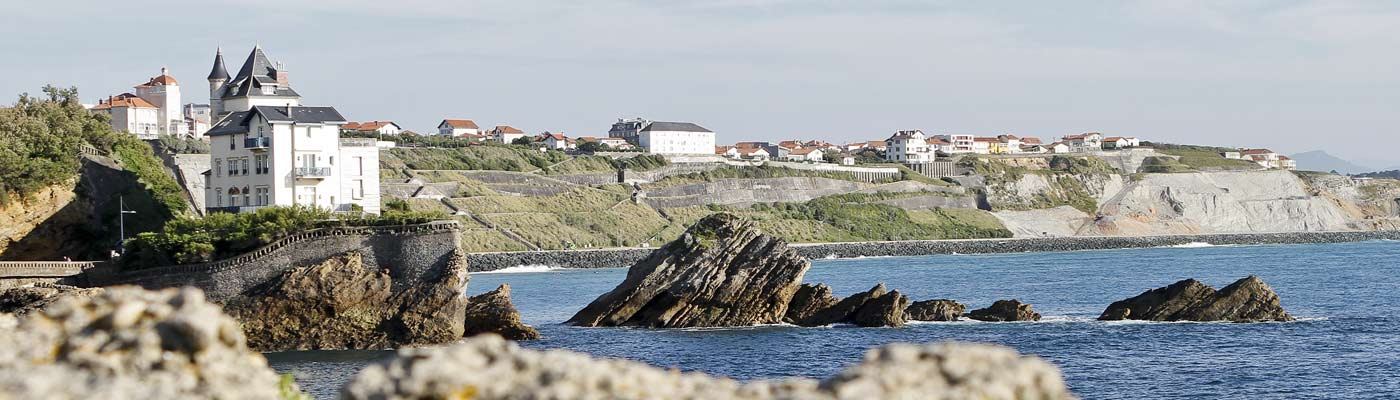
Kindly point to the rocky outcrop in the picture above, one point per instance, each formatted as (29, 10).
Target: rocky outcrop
(493, 312)
(502, 370)
(721, 272)
(935, 310)
(21, 301)
(871, 308)
(343, 304)
(1246, 300)
(127, 343)
(809, 300)
(1005, 311)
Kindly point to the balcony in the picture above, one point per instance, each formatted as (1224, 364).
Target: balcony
(314, 172)
(233, 209)
(257, 143)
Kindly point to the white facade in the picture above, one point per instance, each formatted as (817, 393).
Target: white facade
(198, 119)
(1084, 143)
(164, 92)
(662, 137)
(909, 147)
(557, 141)
(458, 127)
(801, 155)
(134, 116)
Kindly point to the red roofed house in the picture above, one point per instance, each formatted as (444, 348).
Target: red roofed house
(801, 155)
(558, 141)
(506, 134)
(376, 127)
(1120, 142)
(1084, 142)
(458, 127)
(132, 114)
(753, 153)
(1265, 158)
(727, 151)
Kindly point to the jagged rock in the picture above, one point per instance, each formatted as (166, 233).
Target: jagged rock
(808, 301)
(1246, 300)
(343, 304)
(843, 310)
(493, 312)
(502, 370)
(23, 300)
(128, 343)
(721, 272)
(935, 310)
(887, 310)
(1005, 311)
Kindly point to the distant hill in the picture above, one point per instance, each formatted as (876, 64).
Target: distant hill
(1392, 174)
(1319, 160)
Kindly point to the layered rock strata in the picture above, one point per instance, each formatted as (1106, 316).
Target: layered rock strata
(935, 310)
(502, 370)
(1246, 300)
(872, 308)
(809, 300)
(128, 343)
(1005, 311)
(720, 272)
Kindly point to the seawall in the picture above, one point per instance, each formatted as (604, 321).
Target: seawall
(410, 254)
(613, 258)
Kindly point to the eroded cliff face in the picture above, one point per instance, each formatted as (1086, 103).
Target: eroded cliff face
(1207, 202)
(77, 219)
(21, 217)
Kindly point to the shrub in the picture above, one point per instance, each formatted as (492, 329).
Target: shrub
(182, 145)
(137, 157)
(40, 138)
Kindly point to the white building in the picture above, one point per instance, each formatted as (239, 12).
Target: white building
(958, 143)
(1116, 143)
(1084, 142)
(458, 127)
(800, 155)
(374, 127)
(285, 154)
(910, 147)
(132, 114)
(506, 134)
(558, 141)
(198, 119)
(660, 137)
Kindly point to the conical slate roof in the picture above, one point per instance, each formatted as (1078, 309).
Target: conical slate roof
(219, 72)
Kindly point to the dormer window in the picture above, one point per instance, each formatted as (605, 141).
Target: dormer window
(268, 89)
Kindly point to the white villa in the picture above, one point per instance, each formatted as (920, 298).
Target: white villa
(800, 155)
(198, 119)
(1084, 142)
(458, 127)
(1264, 157)
(269, 150)
(506, 134)
(910, 147)
(1121, 142)
(154, 110)
(661, 137)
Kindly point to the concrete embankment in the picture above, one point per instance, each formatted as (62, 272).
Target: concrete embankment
(613, 258)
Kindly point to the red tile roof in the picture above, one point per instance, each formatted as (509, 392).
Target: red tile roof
(507, 129)
(1256, 151)
(459, 123)
(802, 152)
(124, 100)
(163, 80)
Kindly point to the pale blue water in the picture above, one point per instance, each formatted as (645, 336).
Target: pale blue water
(1346, 346)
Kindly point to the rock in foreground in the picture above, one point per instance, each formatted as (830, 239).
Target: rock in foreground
(502, 370)
(1005, 311)
(721, 272)
(342, 303)
(128, 343)
(1246, 300)
(493, 312)
(23, 300)
(935, 310)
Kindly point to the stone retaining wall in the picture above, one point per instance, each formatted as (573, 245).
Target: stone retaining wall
(626, 257)
(409, 253)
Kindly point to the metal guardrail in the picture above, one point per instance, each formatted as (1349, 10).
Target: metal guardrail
(313, 172)
(16, 269)
(257, 142)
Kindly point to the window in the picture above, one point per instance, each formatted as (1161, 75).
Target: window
(218, 167)
(308, 132)
(260, 164)
(262, 195)
(230, 142)
(246, 195)
(260, 131)
(359, 164)
(232, 167)
(357, 189)
(218, 197)
(244, 161)
(233, 197)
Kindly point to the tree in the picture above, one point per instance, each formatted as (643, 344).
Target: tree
(523, 141)
(593, 146)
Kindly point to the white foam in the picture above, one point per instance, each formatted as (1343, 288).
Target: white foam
(1192, 245)
(523, 269)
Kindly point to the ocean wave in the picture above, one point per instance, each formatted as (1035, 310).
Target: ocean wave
(1192, 245)
(522, 269)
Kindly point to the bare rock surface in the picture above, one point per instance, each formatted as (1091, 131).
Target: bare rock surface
(128, 343)
(23, 300)
(941, 310)
(343, 304)
(1246, 300)
(809, 300)
(502, 370)
(1005, 311)
(493, 312)
(844, 310)
(721, 272)
(887, 310)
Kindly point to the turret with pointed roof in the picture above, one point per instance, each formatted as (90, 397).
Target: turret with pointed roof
(259, 82)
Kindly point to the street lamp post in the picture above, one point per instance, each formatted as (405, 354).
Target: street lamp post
(122, 223)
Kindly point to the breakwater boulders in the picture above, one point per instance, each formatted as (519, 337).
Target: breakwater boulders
(1246, 300)
(1005, 311)
(503, 370)
(721, 272)
(941, 310)
(128, 343)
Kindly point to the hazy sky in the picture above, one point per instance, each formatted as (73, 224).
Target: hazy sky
(1289, 75)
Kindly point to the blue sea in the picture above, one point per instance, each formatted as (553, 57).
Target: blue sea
(1346, 344)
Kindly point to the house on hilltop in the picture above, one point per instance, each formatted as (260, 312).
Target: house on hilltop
(155, 109)
(1084, 142)
(910, 147)
(458, 127)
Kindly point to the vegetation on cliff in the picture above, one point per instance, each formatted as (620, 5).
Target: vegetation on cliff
(1201, 157)
(40, 140)
(756, 172)
(1064, 177)
(481, 157)
(188, 240)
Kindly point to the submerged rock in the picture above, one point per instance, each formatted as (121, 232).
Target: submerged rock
(935, 310)
(128, 343)
(23, 300)
(808, 301)
(343, 304)
(721, 272)
(502, 370)
(1246, 300)
(1005, 311)
(493, 312)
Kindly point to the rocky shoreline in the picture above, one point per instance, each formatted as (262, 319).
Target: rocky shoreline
(617, 258)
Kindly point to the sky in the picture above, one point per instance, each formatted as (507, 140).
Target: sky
(1293, 76)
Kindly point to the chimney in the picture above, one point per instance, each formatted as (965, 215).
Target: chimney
(164, 71)
(280, 74)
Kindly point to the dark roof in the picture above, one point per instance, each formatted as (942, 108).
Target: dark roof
(256, 72)
(219, 72)
(237, 122)
(674, 127)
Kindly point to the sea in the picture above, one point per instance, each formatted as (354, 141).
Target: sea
(1345, 344)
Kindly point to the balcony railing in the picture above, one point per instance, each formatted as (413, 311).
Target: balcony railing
(233, 209)
(313, 172)
(257, 142)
